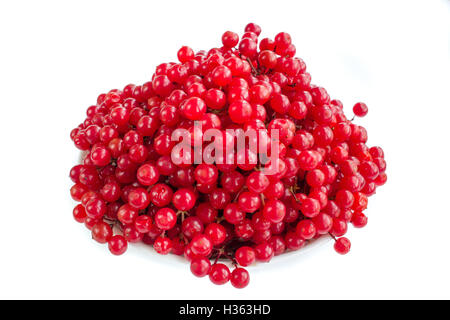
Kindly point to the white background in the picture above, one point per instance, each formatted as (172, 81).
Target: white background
(57, 56)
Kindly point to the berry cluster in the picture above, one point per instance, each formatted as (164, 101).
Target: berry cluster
(130, 188)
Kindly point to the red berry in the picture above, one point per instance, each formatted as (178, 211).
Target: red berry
(127, 214)
(201, 245)
(101, 232)
(240, 111)
(95, 208)
(138, 198)
(147, 175)
(184, 199)
(219, 274)
(342, 245)
(360, 109)
(117, 245)
(233, 214)
(143, 224)
(306, 229)
(245, 256)
(264, 252)
(165, 218)
(162, 245)
(185, 54)
(216, 232)
(239, 278)
(304, 170)
(200, 267)
(193, 108)
(274, 211)
(359, 220)
(79, 213)
(230, 39)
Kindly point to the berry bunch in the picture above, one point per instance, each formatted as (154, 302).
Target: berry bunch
(133, 186)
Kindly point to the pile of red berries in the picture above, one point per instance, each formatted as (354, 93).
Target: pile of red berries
(130, 188)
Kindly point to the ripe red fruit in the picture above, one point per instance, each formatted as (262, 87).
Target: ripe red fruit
(360, 109)
(165, 219)
(185, 54)
(306, 229)
(163, 245)
(245, 256)
(230, 39)
(305, 171)
(127, 214)
(342, 245)
(240, 278)
(268, 59)
(147, 175)
(117, 245)
(219, 274)
(274, 211)
(193, 108)
(240, 111)
(138, 198)
(184, 199)
(200, 267)
(101, 232)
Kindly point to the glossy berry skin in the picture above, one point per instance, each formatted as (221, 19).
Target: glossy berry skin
(206, 173)
(201, 245)
(264, 252)
(267, 59)
(95, 208)
(162, 245)
(184, 199)
(143, 224)
(165, 219)
(248, 47)
(127, 214)
(216, 233)
(117, 245)
(185, 54)
(240, 111)
(206, 213)
(257, 182)
(342, 245)
(253, 27)
(138, 198)
(193, 108)
(101, 232)
(79, 213)
(230, 39)
(200, 267)
(323, 223)
(294, 242)
(240, 278)
(192, 226)
(245, 256)
(160, 195)
(360, 109)
(219, 274)
(147, 175)
(100, 156)
(274, 211)
(233, 214)
(221, 76)
(359, 220)
(310, 207)
(249, 202)
(306, 229)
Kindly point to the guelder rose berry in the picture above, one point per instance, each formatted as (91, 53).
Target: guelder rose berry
(228, 157)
